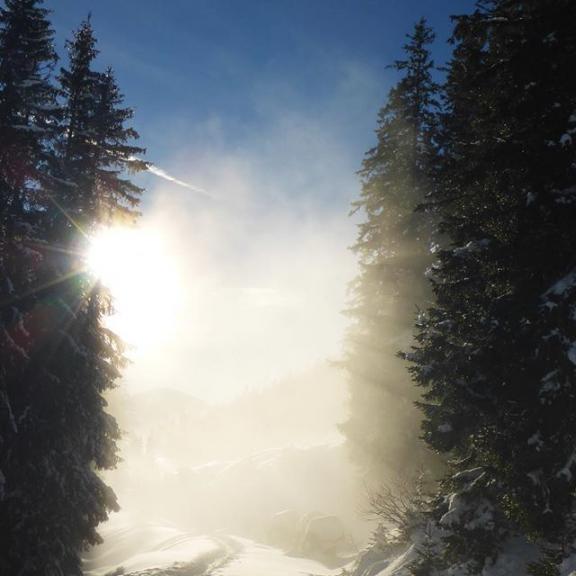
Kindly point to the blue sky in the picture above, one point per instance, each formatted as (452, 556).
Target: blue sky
(270, 107)
(182, 61)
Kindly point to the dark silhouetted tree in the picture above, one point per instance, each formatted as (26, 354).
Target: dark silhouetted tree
(60, 357)
(495, 355)
(27, 122)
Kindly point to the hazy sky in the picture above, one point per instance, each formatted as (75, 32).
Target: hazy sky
(269, 106)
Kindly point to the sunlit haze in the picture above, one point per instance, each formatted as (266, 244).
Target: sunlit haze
(137, 267)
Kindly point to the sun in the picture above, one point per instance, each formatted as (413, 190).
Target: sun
(141, 273)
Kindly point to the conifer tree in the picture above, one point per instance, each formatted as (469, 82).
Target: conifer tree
(495, 353)
(95, 148)
(28, 114)
(393, 251)
(28, 120)
(60, 433)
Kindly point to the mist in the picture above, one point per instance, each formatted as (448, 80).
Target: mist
(235, 466)
(230, 412)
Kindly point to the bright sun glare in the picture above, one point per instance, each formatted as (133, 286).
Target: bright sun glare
(137, 267)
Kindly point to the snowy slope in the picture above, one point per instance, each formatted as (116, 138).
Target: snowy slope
(158, 550)
(135, 548)
(258, 560)
(512, 561)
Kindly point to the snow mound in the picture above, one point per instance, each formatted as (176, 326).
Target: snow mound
(259, 560)
(513, 560)
(130, 548)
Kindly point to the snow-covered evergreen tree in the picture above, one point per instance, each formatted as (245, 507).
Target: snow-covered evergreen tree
(495, 354)
(57, 355)
(393, 251)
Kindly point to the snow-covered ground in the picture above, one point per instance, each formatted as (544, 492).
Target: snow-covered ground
(261, 485)
(158, 550)
(131, 548)
(235, 468)
(258, 560)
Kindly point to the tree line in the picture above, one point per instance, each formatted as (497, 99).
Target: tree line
(461, 353)
(65, 150)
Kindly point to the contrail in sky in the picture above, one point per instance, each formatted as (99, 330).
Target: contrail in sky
(164, 175)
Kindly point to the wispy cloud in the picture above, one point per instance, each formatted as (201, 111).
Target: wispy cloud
(165, 176)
